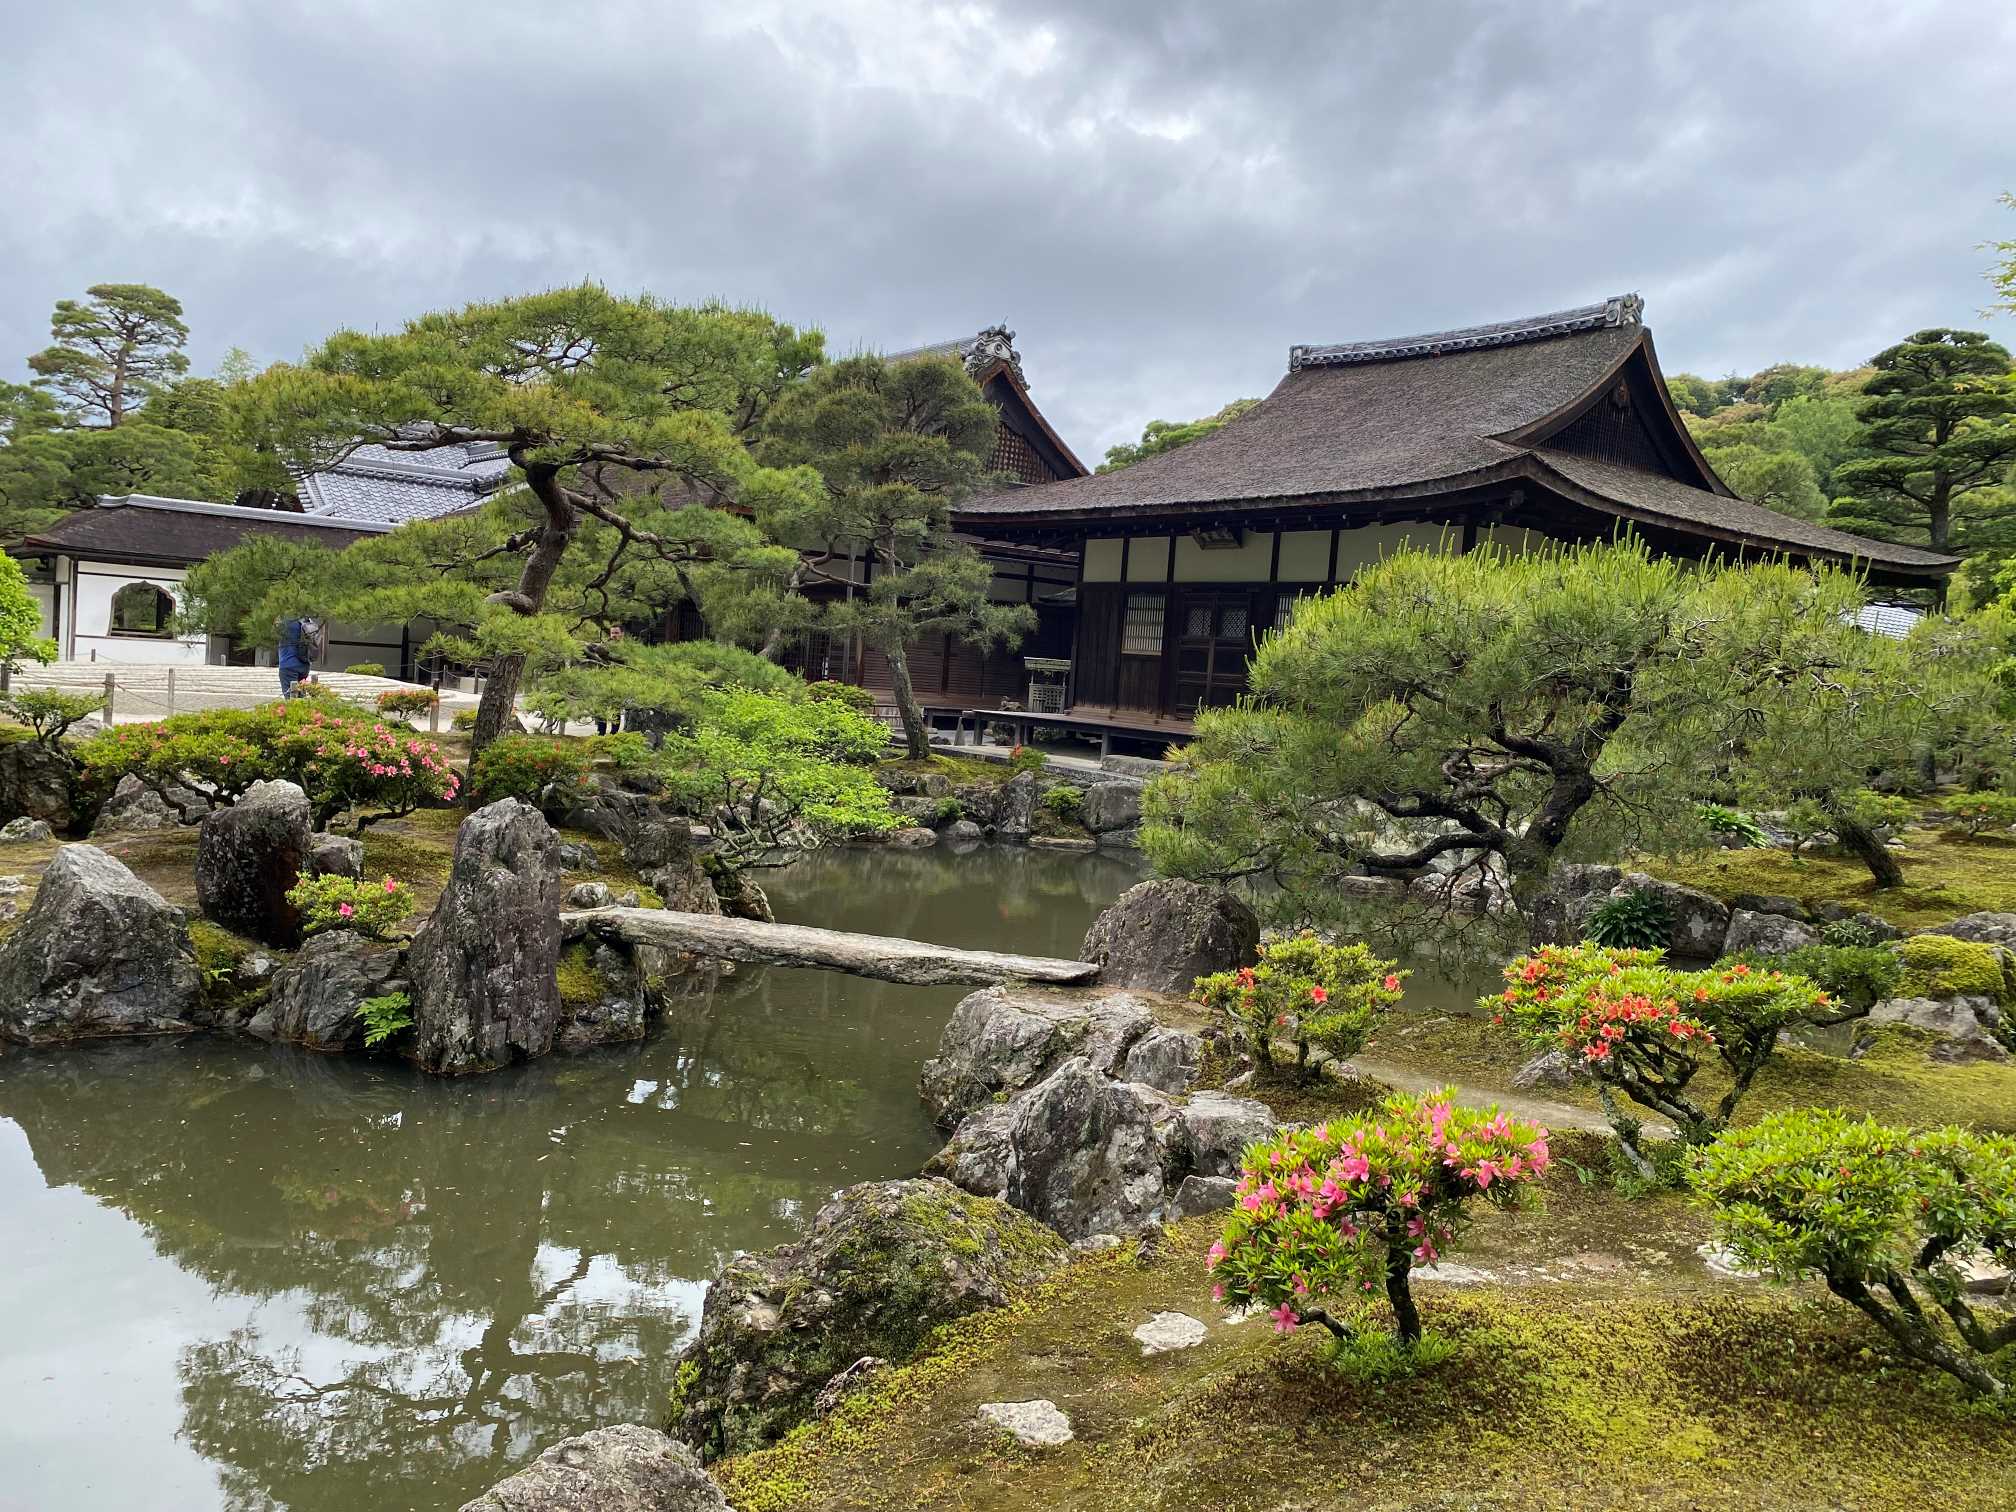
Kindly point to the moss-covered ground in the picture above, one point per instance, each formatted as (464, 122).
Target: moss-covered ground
(1610, 1370)
(1946, 874)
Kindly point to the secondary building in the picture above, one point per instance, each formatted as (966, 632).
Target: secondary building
(1557, 427)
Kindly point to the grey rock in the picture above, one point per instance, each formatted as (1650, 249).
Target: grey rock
(1164, 934)
(254, 969)
(36, 781)
(336, 856)
(1112, 805)
(1120, 839)
(849, 1381)
(1982, 928)
(1034, 1425)
(1960, 1026)
(980, 1153)
(1549, 1070)
(916, 810)
(1220, 1127)
(1700, 920)
(25, 831)
(1004, 1039)
(1199, 1195)
(1559, 913)
(249, 856)
(1378, 889)
(629, 898)
(1837, 913)
(912, 837)
(1460, 892)
(1092, 1155)
(98, 953)
(1082, 844)
(980, 802)
(136, 808)
(627, 1468)
(632, 986)
(1768, 934)
(315, 995)
(962, 833)
(1768, 903)
(482, 966)
(576, 857)
(882, 1265)
(590, 895)
(1165, 1059)
(1015, 806)
(1168, 1332)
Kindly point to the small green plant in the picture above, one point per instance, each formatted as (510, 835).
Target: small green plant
(50, 712)
(1718, 820)
(1640, 920)
(1851, 934)
(1324, 998)
(1884, 1216)
(366, 669)
(949, 811)
(1025, 759)
(373, 909)
(1065, 802)
(385, 1016)
(406, 703)
(463, 720)
(1978, 813)
(860, 700)
(524, 766)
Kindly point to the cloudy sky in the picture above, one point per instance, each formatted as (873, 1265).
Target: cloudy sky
(1158, 195)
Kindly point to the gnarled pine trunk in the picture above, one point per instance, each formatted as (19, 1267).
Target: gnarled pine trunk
(1860, 841)
(916, 733)
(498, 706)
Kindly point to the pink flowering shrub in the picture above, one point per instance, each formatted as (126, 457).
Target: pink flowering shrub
(1642, 1028)
(1327, 1219)
(403, 704)
(1324, 999)
(374, 910)
(343, 759)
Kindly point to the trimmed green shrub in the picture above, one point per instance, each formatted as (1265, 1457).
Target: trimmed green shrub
(374, 910)
(1859, 975)
(366, 669)
(860, 700)
(1025, 759)
(50, 712)
(1324, 998)
(1883, 1216)
(524, 766)
(1977, 813)
(407, 703)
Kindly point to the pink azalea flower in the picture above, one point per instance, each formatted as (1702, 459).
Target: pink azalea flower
(1285, 1319)
(345, 910)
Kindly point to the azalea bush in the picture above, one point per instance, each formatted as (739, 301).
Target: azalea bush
(374, 910)
(1884, 1216)
(50, 712)
(1327, 1220)
(1325, 999)
(1645, 1030)
(524, 766)
(342, 759)
(1978, 813)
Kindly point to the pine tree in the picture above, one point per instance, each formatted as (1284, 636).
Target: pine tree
(1938, 435)
(111, 349)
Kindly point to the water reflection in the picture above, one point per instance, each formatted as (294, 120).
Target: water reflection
(411, 1285)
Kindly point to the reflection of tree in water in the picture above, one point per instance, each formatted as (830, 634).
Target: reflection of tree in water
(486, 1266)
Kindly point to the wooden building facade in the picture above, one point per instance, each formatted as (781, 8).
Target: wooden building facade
(1555, 428)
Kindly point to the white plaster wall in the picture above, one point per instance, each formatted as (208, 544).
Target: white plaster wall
(91, 613)
(1148, 560)
(1102, 560)
(1245, 563)
(1305, 556)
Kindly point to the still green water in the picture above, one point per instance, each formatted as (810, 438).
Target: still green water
(248, 1277)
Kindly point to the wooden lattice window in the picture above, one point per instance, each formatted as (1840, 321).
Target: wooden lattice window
(1141, 632)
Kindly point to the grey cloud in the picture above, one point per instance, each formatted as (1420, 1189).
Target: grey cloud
(1159, 197)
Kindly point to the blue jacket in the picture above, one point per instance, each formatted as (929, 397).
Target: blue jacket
(293, 651)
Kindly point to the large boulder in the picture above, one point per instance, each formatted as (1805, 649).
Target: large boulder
(136, 808)
(1770, 934)
(482, 965)
(315, 996)
(1962, 1028)
(1090, 1155)
(1700, 920)
(1015, 807)
(627, 1468)
(36, 780)
(657, 842)
(99, 953)
(250, 855)
(1559, 913)
(1982, 928)
(1003, 1039)
(1112, 805)
(336, 856)
(1163, 935)
(883, 1264)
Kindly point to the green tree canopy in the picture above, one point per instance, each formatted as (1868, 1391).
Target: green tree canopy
(625, 420)
(111, 349)
(898, 444)
(1938, 435)
(1166, 435)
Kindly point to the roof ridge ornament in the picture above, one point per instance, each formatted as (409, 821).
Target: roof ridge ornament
(995, 343)
(1618, 310)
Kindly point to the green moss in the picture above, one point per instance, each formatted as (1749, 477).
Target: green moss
(581, 981)
(1941, 966)
(961, 769)
(1944, 878)
(219, 953)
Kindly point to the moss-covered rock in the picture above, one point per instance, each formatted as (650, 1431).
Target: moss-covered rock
(1938, 966)
(883, 1266)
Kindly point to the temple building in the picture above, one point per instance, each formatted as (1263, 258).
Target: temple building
(1557, 427)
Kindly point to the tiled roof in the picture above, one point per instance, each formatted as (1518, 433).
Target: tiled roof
(391, 487)
(1366, 422)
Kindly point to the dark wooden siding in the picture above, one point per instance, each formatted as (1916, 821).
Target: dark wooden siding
(1095, 663)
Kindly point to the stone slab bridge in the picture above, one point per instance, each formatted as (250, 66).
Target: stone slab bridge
(911, 962)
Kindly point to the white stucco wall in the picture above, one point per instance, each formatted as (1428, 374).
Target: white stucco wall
(90, 617)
